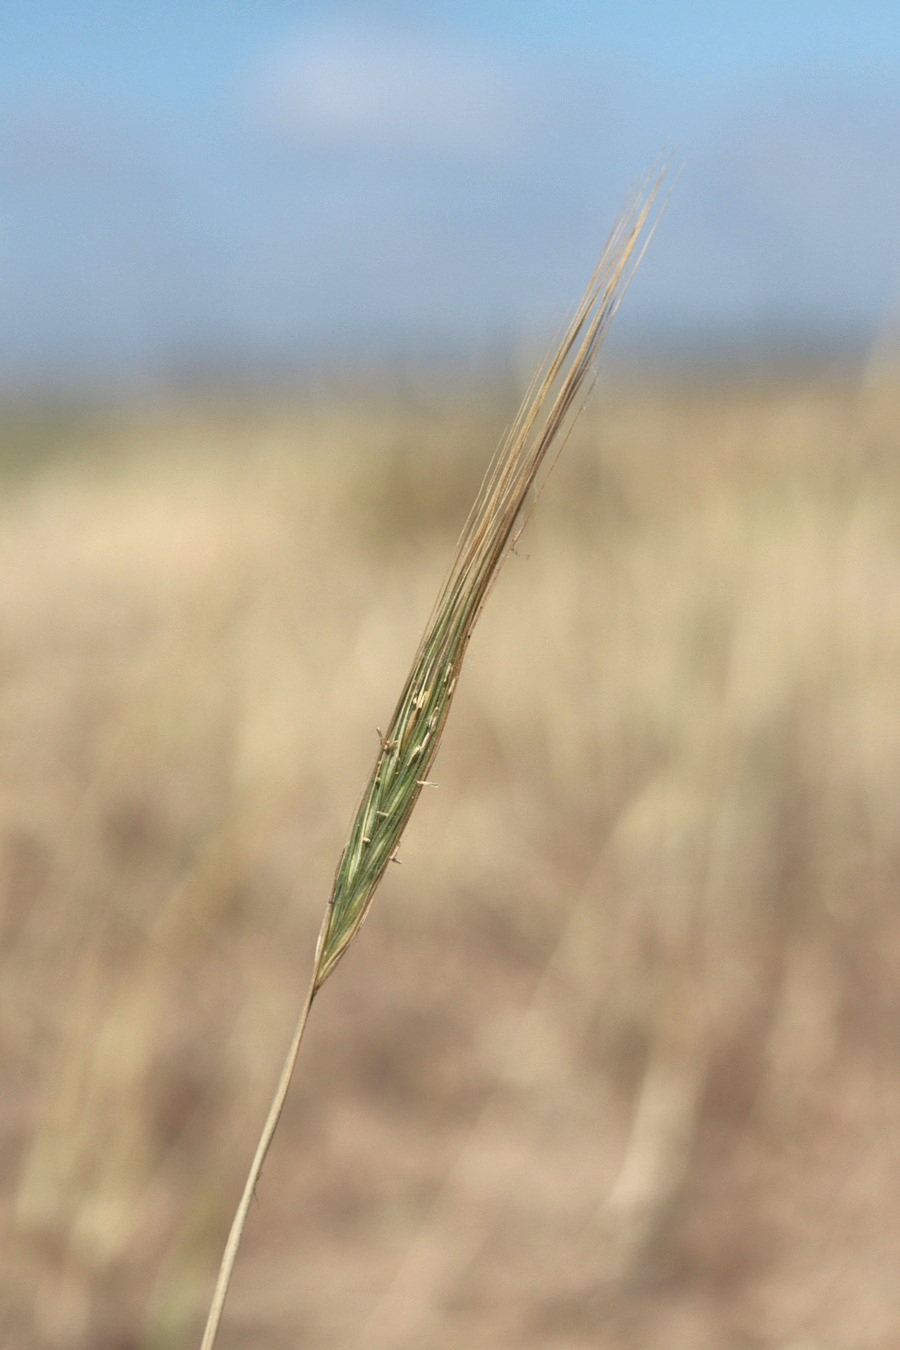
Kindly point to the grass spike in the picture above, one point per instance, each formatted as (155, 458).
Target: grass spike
(408, 746)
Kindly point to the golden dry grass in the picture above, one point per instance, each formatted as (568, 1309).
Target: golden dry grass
(407, 749)
(615, 1063)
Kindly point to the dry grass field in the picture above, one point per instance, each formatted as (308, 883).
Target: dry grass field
(615, 1063)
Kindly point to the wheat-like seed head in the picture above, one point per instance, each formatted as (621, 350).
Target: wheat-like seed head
(408, 748)
(413, 735)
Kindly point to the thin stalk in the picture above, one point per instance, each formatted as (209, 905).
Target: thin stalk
(229, 1256)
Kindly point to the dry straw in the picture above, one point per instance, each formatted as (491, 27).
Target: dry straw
(408, 747)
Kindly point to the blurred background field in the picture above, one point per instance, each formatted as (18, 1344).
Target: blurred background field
(614, 1062)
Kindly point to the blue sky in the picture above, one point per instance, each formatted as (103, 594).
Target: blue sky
(249, 185)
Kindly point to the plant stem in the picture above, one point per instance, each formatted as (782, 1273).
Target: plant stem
(265, 1139)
